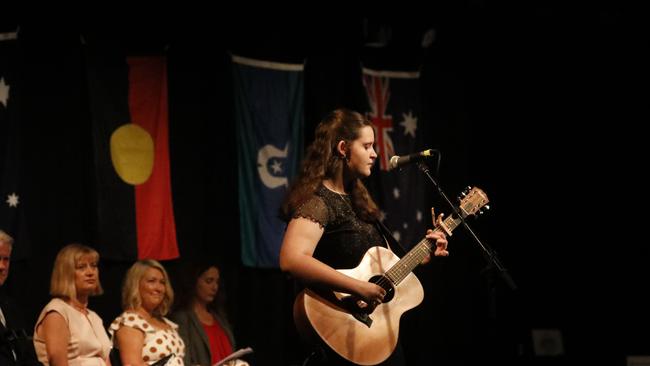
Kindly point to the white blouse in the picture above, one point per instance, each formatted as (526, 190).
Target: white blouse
(158, 343)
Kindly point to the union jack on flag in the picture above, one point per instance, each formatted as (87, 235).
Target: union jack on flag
(394, 110)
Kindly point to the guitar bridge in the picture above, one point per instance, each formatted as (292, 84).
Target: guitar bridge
(363, 317)
(357, 312)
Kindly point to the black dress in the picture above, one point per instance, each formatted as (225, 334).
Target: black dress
(343, 244)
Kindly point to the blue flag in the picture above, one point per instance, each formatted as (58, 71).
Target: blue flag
(12, 193)
(395, 112)
(269, 115)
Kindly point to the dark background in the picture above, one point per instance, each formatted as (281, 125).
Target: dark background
(533, 103)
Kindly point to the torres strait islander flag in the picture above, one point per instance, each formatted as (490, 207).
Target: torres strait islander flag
(128, 99)
(269, 114)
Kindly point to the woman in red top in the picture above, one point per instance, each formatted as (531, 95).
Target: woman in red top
(201, 317)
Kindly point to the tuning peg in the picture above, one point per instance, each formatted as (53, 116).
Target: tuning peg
(483, 210)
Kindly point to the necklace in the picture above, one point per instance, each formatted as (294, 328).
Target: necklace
(79, 307)
(145, 314)
(340, 195)
(344, 200)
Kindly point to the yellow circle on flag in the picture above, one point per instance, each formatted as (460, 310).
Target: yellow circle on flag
(132, 153)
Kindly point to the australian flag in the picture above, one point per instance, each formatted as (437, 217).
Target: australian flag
(12, 193)
(395, 112)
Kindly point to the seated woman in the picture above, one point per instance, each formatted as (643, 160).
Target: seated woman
(201, 317)
(142, 333)
(67, 332)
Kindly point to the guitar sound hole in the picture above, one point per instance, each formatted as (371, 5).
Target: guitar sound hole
(385, 283)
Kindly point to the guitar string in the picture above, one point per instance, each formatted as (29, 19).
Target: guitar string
(408, 260)
(383, 282)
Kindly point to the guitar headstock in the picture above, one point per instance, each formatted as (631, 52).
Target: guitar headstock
(473, 200)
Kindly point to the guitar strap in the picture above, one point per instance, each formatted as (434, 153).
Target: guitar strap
(395, 246)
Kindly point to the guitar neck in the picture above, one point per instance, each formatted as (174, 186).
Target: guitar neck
(415, 256)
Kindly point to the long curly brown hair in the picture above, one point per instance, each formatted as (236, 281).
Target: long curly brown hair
(322, 161)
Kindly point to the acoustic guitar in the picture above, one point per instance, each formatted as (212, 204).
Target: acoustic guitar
(367, 335)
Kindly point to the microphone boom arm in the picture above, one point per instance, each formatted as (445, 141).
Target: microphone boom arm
(489, 254)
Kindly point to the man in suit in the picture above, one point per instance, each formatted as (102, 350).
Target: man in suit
(16, 348)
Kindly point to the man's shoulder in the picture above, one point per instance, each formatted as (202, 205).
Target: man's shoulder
(12, 312)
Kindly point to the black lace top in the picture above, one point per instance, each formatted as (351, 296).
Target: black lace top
(346, 238)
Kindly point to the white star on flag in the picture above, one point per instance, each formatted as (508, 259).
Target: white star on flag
(418, 215)
(277, 167)
(12, 200)
(397, 235)
(4, 92)
(410, 124)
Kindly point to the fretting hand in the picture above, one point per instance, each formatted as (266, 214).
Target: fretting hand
(438, 237)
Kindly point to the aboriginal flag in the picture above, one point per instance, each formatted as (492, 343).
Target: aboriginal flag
(129, 106)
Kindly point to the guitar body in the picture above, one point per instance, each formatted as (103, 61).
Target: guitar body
(358, 333)
(328, 318)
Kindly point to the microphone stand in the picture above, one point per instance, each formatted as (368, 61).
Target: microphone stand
(494, 264)
(489, 254)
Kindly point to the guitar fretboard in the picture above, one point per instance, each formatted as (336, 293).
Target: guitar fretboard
(414, 257)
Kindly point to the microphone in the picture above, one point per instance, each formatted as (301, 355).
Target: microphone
(399, 161)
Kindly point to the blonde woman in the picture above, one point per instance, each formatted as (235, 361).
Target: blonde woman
(67, 333)
(142, 333)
